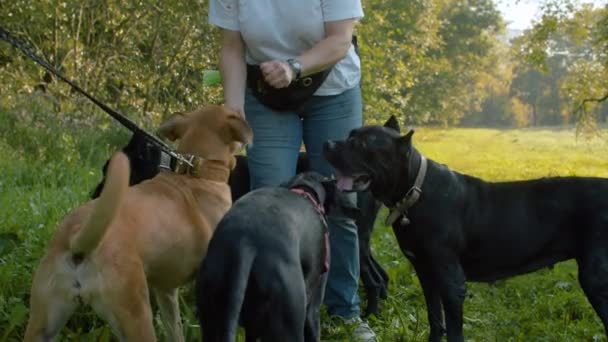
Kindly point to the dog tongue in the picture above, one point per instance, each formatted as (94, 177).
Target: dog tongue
(344, 183)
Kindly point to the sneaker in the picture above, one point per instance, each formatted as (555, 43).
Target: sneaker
(361, 332)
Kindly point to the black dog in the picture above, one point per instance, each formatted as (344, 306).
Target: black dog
(373, 276)
(145, 157)
(460, 228)
(266, 262)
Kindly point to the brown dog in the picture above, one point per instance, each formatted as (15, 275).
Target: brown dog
(110, 251)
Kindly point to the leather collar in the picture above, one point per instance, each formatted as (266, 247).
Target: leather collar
(318, 206)
(411, 197)
(321, 211)
(195, 166)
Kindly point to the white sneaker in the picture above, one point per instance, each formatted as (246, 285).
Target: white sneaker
(361, 331)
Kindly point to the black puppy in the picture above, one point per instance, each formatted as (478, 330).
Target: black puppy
(266, 262)
(454, 227)
(145, 158)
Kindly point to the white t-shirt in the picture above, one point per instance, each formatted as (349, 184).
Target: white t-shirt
(283, 29)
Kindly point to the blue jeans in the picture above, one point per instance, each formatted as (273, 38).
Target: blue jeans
(272, 158)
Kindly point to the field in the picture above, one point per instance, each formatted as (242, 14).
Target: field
(49, 166)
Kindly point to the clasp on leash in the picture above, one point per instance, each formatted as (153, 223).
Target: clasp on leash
(183, 164)
(412, 190)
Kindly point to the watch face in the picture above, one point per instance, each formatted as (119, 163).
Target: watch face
(295, 66)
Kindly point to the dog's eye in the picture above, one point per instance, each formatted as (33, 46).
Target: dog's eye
(380, 143)
(357, 143)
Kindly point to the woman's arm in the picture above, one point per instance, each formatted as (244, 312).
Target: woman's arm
(327, 52)
(233, 70)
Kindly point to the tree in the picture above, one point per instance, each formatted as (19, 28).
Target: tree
(580, 36)
(144, 58)
(423, 60)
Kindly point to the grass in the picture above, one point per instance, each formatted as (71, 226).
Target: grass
(45, 170)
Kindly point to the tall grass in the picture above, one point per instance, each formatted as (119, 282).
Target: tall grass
(48, 165)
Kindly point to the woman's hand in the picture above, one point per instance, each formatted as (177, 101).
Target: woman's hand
(241, 112)
(277, 73)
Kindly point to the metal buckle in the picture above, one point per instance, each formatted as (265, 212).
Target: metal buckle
(183, 164)
(307, 81)
(411, 190)
(197, 163)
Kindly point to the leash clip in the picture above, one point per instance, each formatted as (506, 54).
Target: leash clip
(183, 164)
(412, 190)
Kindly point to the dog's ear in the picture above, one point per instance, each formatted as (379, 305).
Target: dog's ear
(404, 143)
(407, 138)
(392, 123)
(237, 129)
(174, 127)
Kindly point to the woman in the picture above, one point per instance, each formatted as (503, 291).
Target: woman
(278, 43)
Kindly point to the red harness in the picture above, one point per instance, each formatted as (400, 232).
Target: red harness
(321, 211)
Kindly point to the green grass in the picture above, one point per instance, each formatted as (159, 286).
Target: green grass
(45, 170)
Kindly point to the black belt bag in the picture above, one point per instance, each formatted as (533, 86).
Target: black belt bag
(283, 99)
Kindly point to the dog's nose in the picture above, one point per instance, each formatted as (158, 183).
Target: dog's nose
(329, 145)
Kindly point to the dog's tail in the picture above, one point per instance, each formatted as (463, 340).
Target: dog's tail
(221, 287)
(105, 208)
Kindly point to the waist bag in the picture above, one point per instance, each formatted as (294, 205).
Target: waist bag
(283, 99)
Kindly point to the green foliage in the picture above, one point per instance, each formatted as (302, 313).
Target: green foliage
(434, 62)
(144, 58)
(423, 60)
(565, 55)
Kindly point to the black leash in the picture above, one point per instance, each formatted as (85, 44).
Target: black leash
(130, 125)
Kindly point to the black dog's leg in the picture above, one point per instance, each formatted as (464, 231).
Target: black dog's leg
(370, 283)
(370, 270)
(288, 301)
(593, 277)
(367, 274)
(239, 178)
(451, 282)
(250, 338)
(312, 326)
(381, 276)
(432, 298)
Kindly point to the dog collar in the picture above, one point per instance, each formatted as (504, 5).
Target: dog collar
(319, 208)
(412, 195)
(195, 166)
(311, 198)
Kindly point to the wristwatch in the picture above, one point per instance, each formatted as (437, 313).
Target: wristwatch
(296, 67)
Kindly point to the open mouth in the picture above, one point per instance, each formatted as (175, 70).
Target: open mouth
(352, 183)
